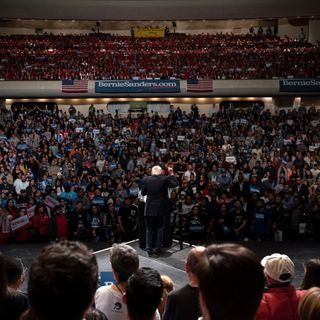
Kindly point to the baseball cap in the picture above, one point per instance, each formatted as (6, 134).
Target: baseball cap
(278, 267)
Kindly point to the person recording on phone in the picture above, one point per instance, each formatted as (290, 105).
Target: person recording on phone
(157, 205)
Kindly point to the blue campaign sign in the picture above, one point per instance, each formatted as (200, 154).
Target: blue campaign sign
(137, 86)
(299, 85)
(106, 278)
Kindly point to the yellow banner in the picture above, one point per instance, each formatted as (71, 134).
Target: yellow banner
(149, 32)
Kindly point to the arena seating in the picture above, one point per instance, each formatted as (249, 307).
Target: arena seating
(218, 56)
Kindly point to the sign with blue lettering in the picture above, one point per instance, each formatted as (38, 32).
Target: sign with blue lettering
(137, 86)
(299, 85)
(106, 278)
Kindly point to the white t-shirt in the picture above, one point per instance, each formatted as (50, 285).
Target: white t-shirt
(109, 301)
(20, 185)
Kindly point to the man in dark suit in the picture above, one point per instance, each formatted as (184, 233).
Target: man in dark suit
(301, 189)
(157, 204)
(241, 188)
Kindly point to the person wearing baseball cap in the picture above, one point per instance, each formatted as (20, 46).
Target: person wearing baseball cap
(280, 299)
(278, 267)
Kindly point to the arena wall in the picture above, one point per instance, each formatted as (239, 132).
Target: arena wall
(292, 28)
(285, 27)
(314, 31)
(227, 88)
(206, 106)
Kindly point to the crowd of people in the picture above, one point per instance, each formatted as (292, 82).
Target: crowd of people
(225, 282)
(242, 174)
(103, 57)
(238, 174)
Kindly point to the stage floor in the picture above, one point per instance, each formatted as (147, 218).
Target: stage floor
(170, 264)
(173, 261)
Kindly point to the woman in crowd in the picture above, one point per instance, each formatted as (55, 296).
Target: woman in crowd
(11, 207)
(40, 222)
(58, 224)
(311, 274)
(167, 288)
(110, 223)
(309, 305)
(23, 234)
(223, 224)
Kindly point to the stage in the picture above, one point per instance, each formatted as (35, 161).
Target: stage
(170, 264)
(173, 261)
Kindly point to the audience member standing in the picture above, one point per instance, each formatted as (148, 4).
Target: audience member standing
(184, 303)
(167, 288)
(280, 301)
(143, 294)
(309, 305)
(279, 220)
(109, 299)
(311, 276)
(62, 282)
(20, 183)
(15, 273)
(40, 222)
(12, 301)
(78, 222)
(231, 282)
(127, 217)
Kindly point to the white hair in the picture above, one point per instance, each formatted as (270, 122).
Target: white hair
(156, 171)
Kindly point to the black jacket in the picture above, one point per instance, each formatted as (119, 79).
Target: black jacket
(156, 190)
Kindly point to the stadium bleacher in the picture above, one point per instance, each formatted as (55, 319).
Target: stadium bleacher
(218, 56)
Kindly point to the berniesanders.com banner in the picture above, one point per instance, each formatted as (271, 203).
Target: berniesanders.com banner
(300, 85)
(137, 86)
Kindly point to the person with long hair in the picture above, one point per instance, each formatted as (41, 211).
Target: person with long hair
(5, 229)
(111, 224)
(167, 288)
(311, 274)
(309, 305)
(40, 222)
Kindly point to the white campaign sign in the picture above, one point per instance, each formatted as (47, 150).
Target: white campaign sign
(19, 222)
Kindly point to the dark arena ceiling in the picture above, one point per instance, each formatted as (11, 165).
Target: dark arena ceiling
(157, 9)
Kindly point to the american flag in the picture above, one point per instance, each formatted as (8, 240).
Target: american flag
(196, 85)
(74, 86)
